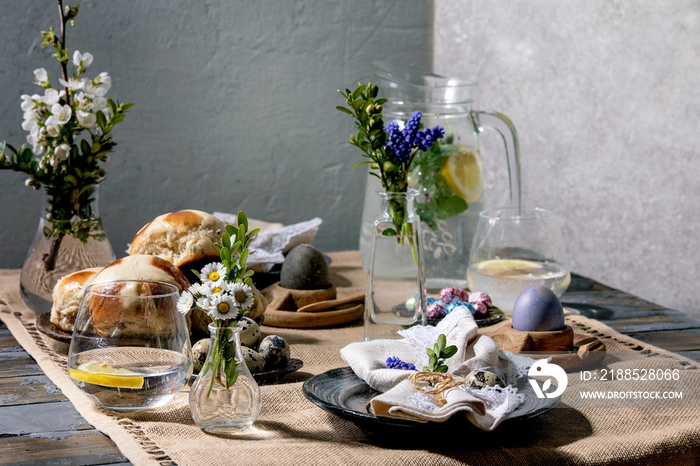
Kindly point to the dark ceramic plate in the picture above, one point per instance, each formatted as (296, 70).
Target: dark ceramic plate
(494, 316)
(272, 376)
(344, 394)
(44, 325)
(269, 377)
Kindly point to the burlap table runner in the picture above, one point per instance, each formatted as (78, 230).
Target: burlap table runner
(292, 430)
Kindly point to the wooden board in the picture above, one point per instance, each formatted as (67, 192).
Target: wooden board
(276, 315)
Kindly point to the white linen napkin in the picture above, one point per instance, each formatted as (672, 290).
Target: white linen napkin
(485, 408)
(274, 240)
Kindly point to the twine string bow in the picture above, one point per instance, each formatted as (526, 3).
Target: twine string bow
(435, 384)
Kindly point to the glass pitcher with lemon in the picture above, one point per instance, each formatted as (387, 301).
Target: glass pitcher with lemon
(449, 176)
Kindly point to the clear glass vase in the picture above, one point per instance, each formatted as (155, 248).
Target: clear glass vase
(219, 404)
(395, 293)
(51, 258)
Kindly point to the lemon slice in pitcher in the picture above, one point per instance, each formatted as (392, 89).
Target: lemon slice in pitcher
(462, 170)
(103, 374)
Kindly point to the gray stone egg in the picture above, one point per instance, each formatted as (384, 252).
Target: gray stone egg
(305, 268)
(253, 359)
(199, 353)
(483, 379)
(275, 350)
(250, 332)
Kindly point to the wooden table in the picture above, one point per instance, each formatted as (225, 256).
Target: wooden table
(40, 426)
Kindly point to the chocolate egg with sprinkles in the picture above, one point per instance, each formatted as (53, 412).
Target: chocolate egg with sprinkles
(482, 379)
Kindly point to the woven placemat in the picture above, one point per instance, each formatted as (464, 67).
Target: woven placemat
(292, 430)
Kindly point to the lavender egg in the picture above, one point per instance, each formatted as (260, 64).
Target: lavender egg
(538, 309)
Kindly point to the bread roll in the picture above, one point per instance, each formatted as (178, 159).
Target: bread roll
(67, 295)
(185, 238)
(130, 315)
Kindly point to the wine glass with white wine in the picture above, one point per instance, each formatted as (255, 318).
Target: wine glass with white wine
(514, 248)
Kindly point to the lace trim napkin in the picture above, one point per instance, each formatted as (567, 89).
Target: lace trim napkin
(485, 408)
(274, 240)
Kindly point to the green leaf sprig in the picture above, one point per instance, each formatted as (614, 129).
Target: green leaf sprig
(234, 250)
(439, 201)
(439, 354)
(364, 105)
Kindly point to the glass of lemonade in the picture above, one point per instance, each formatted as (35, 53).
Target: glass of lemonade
(130, 348)
(514, 248)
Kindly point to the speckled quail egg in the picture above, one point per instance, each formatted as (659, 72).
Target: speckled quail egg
(250, 332)
(483, 379)
(275, 351)
(253, 359)
(199, 353)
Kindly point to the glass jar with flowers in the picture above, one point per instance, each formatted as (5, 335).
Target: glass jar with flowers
(225, 398)
(395, 293)
(69, 138)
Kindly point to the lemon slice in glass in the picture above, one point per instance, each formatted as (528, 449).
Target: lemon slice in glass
(512, 268)
(462, 170)
(103, 374)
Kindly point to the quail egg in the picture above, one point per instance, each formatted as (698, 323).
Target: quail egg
(483, 379)
(199, 353)
(253, 359)
(250, 332)
(275, 350)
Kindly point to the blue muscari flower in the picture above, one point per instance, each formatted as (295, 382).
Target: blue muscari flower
(429, 137)
(392, 127)
(410, 131)
(393, 362)
(397, 144)
(401, 142)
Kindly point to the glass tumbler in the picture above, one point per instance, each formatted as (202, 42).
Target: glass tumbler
(130, 348)
(514, 248)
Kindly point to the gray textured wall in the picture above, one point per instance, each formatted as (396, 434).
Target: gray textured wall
(234, 106)
(235, 111)
(605, 97)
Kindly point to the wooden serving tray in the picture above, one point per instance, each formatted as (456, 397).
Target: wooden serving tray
(282, 311)
(568, 349)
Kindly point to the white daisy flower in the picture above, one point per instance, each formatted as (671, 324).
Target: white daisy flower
(213, 289)
(185, 303)
(223, 307)
(204, 303)
(213, 273)
(243, 295)
(194, 288)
